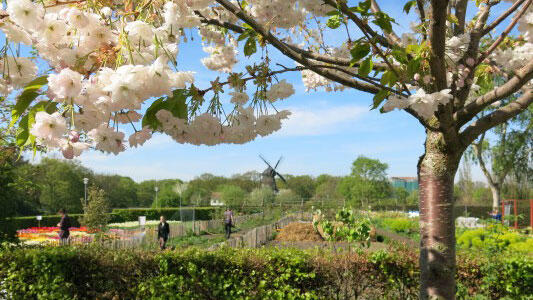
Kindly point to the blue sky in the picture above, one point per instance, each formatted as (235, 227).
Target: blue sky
(325, 133)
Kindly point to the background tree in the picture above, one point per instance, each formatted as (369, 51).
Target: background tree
(302, 185)
(96, 213)
(401, 195)
(367, 184)
(232, 195)
(326, 192)
(443, 73)
(262, 197)
(120, 191)
(465, 184)
(61, 184)
(509, 151)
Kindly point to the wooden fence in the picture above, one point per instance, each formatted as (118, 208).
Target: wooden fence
(261, 235)
(146, 237)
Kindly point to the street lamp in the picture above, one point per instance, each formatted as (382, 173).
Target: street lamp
(85, 182)
(156, 189)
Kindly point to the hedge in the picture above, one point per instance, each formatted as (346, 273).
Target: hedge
(120, 215)
(267, 273)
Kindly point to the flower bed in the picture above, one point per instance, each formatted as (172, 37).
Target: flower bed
(81, 235)
(47, 235)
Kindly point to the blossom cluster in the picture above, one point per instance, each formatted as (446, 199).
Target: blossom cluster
(106, 67)
(206, 129)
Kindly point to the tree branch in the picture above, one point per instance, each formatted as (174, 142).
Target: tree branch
(339, 61)
(520, 78)
(392, 37)
(437, 37)
(362, 25)
(291, 53)
(478, 149)
(502, 17)
(460, 13)
(496, 117)
(505, 32)
(422, 12)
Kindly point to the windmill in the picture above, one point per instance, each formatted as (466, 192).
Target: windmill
(268, 177)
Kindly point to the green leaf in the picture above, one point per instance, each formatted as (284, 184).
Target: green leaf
(250, 46)
(407, 7)
(366, 67)
(364, 6)
(334, 22)
(383, 21)
(23, 131)
(359, 51)
(413, 67)
(176, 105)
(379, 97)
(388, 78)
(243, 36)
(149, 118)
(400, 56)
(29, 93)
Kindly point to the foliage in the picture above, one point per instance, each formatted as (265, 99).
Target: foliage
(269, 273)
(262, 196)
(96, 212)
(303, 186)
(232, 195)
(367, 182)
(346, 227)
(132, 214)
(408, 226)
(284, 197)
(495, 238)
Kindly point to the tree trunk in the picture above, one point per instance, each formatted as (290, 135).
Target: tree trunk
(436, 172)
(496, 196)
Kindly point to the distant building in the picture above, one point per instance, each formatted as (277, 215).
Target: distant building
(215, 200)
(408, 183)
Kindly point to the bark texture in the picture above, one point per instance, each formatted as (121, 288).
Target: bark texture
(496, 199)
(436, 172)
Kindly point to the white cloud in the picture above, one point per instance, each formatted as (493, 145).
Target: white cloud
(306, 122)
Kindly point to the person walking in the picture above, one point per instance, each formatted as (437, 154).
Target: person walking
(228, 221)
(163, 231)
(64, 226)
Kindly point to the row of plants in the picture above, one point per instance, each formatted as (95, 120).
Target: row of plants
(347, 226)
(493, 237)
(266, 273)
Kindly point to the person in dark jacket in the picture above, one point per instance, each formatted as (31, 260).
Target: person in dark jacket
(163, 230)
(228, 222)
(64, 226)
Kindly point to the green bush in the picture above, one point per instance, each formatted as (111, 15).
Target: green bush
(267, 273)
(171, 213)
(494, 238)
(118, 216)
(401, 225)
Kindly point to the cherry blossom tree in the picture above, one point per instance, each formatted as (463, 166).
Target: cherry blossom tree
(94, 63)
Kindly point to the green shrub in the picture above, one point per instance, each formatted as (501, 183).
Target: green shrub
(494, 238)
(401, 225)
(118, 216)
(266, 273)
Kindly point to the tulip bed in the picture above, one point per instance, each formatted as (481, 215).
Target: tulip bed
(78, 235)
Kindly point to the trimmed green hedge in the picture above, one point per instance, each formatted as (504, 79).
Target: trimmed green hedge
(120, 215)
(171, 213)
(47, 221)
(267, 273)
